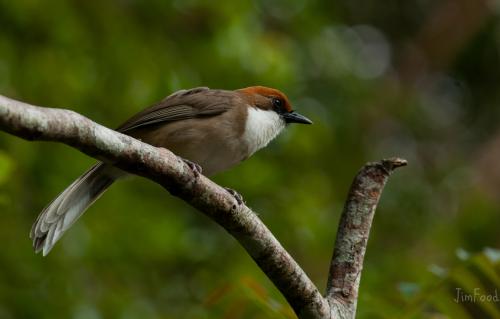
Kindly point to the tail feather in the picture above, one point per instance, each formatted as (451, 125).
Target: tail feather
(68, 206)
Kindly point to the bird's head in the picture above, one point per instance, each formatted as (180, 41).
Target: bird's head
(273, 100)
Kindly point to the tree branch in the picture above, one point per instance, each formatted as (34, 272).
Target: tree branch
(353, 232)
(163, 167)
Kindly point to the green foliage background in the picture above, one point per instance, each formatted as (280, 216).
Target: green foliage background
(417, 79)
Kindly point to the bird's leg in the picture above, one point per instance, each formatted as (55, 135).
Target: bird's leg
(197, 170)
(235, 194)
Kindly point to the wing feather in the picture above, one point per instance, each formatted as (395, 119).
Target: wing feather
(181, 105)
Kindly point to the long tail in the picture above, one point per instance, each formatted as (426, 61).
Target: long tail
(68, 206)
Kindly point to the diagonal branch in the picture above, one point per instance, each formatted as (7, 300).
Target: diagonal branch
(163, 167)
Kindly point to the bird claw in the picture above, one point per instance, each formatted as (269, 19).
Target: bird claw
(235, 194)
(197, 170)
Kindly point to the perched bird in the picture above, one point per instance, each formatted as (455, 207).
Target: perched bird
(214, 129)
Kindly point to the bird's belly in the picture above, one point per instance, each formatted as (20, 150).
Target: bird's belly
(213, 151)
(212, 156)
(215, 143)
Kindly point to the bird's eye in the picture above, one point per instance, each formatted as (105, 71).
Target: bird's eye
(278, 105)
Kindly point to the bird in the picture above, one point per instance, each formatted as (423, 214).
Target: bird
(211, 129)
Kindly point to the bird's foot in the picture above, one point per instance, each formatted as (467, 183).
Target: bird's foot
(197, 170)
(235, 194)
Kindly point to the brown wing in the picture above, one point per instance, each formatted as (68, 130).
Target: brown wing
(184, 104)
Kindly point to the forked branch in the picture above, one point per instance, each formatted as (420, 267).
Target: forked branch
(163, 167)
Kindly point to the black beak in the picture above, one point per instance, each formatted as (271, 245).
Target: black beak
(294, 117)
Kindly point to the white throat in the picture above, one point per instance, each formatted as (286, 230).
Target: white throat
(261, 128)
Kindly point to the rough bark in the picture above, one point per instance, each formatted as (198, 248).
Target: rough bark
(353, 233)
(163, 167)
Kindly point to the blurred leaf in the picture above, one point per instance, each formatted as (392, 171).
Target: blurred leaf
(465, 291)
